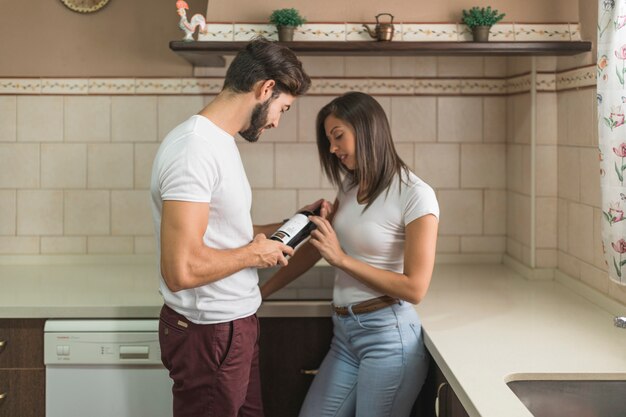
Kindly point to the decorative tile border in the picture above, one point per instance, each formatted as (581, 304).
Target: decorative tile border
(576, 78)
(158, 86)
(504, 32)
(483, 86)
(555, 32)
(20, 86)
(328, 86)
(518, 84)
(392, 86)
(202, 85)
(111, 86)
(320, 32)
(546, 82)
(446, 32)
(437, 87)
(247, 31)
(404, 31)
(64, 86)
(574, 30)
(218, 32)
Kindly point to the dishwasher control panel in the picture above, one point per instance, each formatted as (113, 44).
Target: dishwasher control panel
(101, 345)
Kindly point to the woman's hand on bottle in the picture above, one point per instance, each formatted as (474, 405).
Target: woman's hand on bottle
(268, 253)
(325, 240)
(325, 206)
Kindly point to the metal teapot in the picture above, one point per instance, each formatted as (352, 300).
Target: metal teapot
(383, 31)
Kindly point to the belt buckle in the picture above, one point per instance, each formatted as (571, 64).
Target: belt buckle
(340, 311)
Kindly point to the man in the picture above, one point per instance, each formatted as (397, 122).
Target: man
(209, 250)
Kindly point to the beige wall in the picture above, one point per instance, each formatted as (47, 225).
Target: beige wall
(588, 18)
(130, 38)
(44, 38)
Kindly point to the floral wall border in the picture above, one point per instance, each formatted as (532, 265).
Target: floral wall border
(546, 82)
(404, 31)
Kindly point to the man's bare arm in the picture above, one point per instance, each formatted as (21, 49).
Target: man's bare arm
(186, 262)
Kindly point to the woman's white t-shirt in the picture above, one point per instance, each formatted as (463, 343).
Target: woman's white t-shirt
(199, 162)
(376, 236)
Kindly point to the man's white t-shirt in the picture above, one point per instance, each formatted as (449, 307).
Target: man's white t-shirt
(377, 235)
(199, 162)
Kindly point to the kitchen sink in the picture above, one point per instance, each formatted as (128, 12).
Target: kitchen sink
(572, 398)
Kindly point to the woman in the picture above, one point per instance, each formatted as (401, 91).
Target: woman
(381, 239)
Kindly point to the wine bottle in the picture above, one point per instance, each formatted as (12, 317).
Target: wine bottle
(296, 229)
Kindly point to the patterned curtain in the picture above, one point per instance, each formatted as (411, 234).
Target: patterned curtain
(611, 68)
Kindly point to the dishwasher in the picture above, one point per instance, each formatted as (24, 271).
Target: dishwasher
(105, 368)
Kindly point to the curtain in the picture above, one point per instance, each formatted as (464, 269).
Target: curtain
(611, 98)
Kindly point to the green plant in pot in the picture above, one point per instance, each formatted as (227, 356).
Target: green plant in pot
(480, 20)
(286, 21)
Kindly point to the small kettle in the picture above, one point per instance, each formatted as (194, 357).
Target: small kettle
(383, 31)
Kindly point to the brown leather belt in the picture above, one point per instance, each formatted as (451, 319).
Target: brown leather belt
(367, 306)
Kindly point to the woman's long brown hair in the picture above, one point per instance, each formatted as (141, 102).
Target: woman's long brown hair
(377, 161)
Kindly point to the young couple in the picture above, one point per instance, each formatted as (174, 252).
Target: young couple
(380, 235)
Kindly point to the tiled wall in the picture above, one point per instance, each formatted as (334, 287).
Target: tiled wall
(579, 197)
(519, 179)
(519, 200)
(74, 169)
(568, 224)
(520, 107)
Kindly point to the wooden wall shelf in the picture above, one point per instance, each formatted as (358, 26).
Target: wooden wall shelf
(208, 54)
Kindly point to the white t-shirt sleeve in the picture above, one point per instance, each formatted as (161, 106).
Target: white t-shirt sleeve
(190, 174)
(420, 201)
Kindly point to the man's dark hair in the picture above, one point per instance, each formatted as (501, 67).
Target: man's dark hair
(264, 60)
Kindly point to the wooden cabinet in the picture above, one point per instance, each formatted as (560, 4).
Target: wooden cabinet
(22, 372)
(449, 404)
(24, 391)
(290, 349)
(437, 398)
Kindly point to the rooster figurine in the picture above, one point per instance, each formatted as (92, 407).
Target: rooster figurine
(189, 27)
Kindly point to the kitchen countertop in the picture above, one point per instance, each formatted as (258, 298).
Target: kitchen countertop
(103, 287)
(483, 324)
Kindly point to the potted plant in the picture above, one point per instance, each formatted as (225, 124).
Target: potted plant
(286, 20)
(480, 20)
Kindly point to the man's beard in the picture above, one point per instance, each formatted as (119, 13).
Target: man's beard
(258, 121)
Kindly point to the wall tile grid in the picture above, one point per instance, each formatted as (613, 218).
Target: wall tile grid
(104, 144)
(551, 88)
(579, 212)
(76, 182)
(96, 149)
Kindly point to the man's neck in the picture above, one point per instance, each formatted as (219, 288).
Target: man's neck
(230, 112)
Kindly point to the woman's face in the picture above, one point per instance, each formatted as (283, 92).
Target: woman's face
(342, 140)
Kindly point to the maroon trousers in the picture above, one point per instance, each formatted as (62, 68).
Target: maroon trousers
(215, 367)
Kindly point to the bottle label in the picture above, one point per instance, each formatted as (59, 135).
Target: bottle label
(288, 230)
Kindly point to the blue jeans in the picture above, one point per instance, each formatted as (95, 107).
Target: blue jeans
(376, 366)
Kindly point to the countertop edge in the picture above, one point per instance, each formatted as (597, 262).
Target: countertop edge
(276, 308)
(450, 377)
